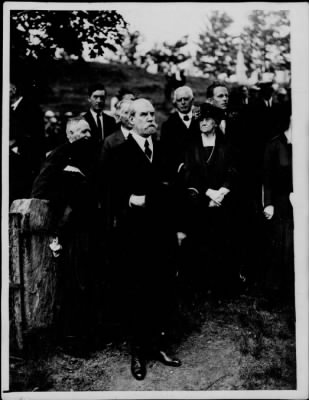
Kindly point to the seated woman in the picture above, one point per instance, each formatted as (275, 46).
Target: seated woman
(207, 178)
(278, 210)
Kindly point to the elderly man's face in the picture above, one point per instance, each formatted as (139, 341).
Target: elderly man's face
(220, 97)
(79, 130)
(183, 101)
(97, 100)
(143, 121)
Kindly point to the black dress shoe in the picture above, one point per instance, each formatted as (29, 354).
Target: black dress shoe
(166, 360)
(138, 368)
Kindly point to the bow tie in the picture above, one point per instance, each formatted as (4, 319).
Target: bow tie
(186, 118)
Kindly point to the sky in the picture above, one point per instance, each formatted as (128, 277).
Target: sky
(169, 22)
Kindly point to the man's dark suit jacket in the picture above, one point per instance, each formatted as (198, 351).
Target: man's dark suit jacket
(257, 126)
(109, 126)
(278, 182)
(174, 135)
(64, 188)
(112, 141)
(103, 175)
(75, 221)
(266, 118)
(145, 239)
(133, 173)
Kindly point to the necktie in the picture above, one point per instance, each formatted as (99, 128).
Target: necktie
(148, 151)
(99, 125)
(186, 118)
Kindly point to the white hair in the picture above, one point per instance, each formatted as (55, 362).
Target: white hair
(185, 89)
(73, 121)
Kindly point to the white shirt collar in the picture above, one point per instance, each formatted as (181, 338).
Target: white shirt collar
(140, 140)
(14, 105)
(125, 131)
(94, 114)
(189, 114)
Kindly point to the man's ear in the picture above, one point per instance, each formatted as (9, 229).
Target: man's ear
(131, 119)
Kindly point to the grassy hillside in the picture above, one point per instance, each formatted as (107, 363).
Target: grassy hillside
(68, 83)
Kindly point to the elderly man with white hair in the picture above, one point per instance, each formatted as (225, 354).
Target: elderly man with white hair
(145, 242)
(177, 128)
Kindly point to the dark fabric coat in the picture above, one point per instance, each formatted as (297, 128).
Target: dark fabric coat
(278, 172)
(74, 204)
(209, 248)
(144, 241)
(64, 188)
(279, 229)
(219, 171)
(103, 177)
(174, 135)
(109, 126)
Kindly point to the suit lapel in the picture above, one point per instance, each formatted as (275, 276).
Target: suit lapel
(137, 151)
(93, 125)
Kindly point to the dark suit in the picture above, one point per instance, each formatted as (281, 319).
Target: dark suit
(277, 187)
(109, 126)
(174, 135)
(74, 205)
(103, 176)
(145, 240)
(27, 130)
(257, 125)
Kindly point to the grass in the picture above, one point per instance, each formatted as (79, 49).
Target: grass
(263, 335)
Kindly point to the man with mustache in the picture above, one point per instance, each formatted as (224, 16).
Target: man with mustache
(140, 197)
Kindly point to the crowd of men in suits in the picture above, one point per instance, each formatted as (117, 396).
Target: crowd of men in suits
(115, 189)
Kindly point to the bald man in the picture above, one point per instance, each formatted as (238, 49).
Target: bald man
(145, 240)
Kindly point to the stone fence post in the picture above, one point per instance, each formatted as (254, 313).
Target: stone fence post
(32, 269)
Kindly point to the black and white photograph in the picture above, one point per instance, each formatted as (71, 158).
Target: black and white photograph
(155, 200)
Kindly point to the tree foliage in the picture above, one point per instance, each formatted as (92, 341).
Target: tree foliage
(169, 54)
(129, 49)
(216, 52)
(42, 34)
(266, 41)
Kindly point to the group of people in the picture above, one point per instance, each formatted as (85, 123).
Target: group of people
(201, 207)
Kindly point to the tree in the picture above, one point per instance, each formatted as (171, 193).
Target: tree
(168, 54)
(266, 41)
(45, 33)
(216, 52)
(129, 49)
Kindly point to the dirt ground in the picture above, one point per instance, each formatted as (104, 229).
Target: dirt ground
(246, 343)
